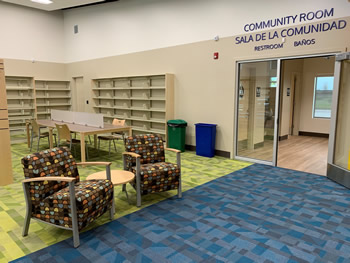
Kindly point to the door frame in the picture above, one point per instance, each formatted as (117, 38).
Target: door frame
(335, 172)
(294, 82)
(277, 110)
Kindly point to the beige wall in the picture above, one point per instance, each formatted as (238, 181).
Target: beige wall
(204, 88)
(38, 69)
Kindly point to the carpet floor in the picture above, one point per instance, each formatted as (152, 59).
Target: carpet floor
(196, 170)
(257, 214)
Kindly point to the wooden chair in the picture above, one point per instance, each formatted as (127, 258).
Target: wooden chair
(64, 133)
(113, 136)
(55, 195)
(145, 157)
(36, 132)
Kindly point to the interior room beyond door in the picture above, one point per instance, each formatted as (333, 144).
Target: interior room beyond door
(305, 110)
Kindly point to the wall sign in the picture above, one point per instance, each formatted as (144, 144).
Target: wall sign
(300, 30)
(288, 92)
(241, 91)
(258, 91)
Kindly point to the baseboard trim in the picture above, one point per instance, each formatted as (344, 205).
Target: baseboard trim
(258, 145)
(284, 137)
(314, 134)
(217, 152)
(190, 147)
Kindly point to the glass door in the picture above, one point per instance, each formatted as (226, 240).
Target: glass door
(257, 111)
(338, 168)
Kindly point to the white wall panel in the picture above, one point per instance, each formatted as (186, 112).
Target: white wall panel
(31, 34)
(129, 26)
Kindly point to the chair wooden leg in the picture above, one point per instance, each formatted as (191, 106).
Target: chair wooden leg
(115, 147)
(31, 141)
(98, 147)
(38, 143)
(87, 152)
(126, 193)
(109, 148)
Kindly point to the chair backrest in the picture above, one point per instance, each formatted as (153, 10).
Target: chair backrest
(118, 122)
(149, 146)
(35, 127)
(53, 162)
(63, 132)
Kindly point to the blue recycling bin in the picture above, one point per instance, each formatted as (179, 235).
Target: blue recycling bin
(205, 139)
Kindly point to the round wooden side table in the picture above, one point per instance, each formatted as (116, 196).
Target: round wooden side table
(118, 177)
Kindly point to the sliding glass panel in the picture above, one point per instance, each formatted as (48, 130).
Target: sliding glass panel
(342, 138)
(256, 110)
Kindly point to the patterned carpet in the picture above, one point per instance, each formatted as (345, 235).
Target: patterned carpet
(257, 214)
(196, 171)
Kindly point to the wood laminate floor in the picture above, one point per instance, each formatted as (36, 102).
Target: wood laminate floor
(304, 153)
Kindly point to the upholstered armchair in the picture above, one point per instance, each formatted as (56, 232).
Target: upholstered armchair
(145, 157)
(55, 195)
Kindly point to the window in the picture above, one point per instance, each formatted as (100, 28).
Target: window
(273, 82)
(323, 97)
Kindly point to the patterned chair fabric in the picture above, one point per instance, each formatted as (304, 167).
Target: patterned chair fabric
(156, 175)
(149, 146)
(54, 162)
(50, 200)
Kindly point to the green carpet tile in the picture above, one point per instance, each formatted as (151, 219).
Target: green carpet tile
(196, 170)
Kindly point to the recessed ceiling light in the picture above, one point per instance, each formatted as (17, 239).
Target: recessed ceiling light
(44, 2)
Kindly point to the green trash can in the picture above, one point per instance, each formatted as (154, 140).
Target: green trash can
(177, 134)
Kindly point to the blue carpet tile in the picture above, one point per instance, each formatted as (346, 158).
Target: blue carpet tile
(257, 214)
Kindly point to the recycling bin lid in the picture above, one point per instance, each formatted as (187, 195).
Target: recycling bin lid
(205, 124)
(177, 123)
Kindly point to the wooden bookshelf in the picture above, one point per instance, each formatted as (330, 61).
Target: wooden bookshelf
(21, 102)
(51, 95)
(145, 102)
(5, 145)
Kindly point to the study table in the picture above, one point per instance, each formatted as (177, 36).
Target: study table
(83, 130)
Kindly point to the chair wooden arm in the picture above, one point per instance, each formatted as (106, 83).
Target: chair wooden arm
(173, 150)
(95, 163)
(49, 178)
(132, 154)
